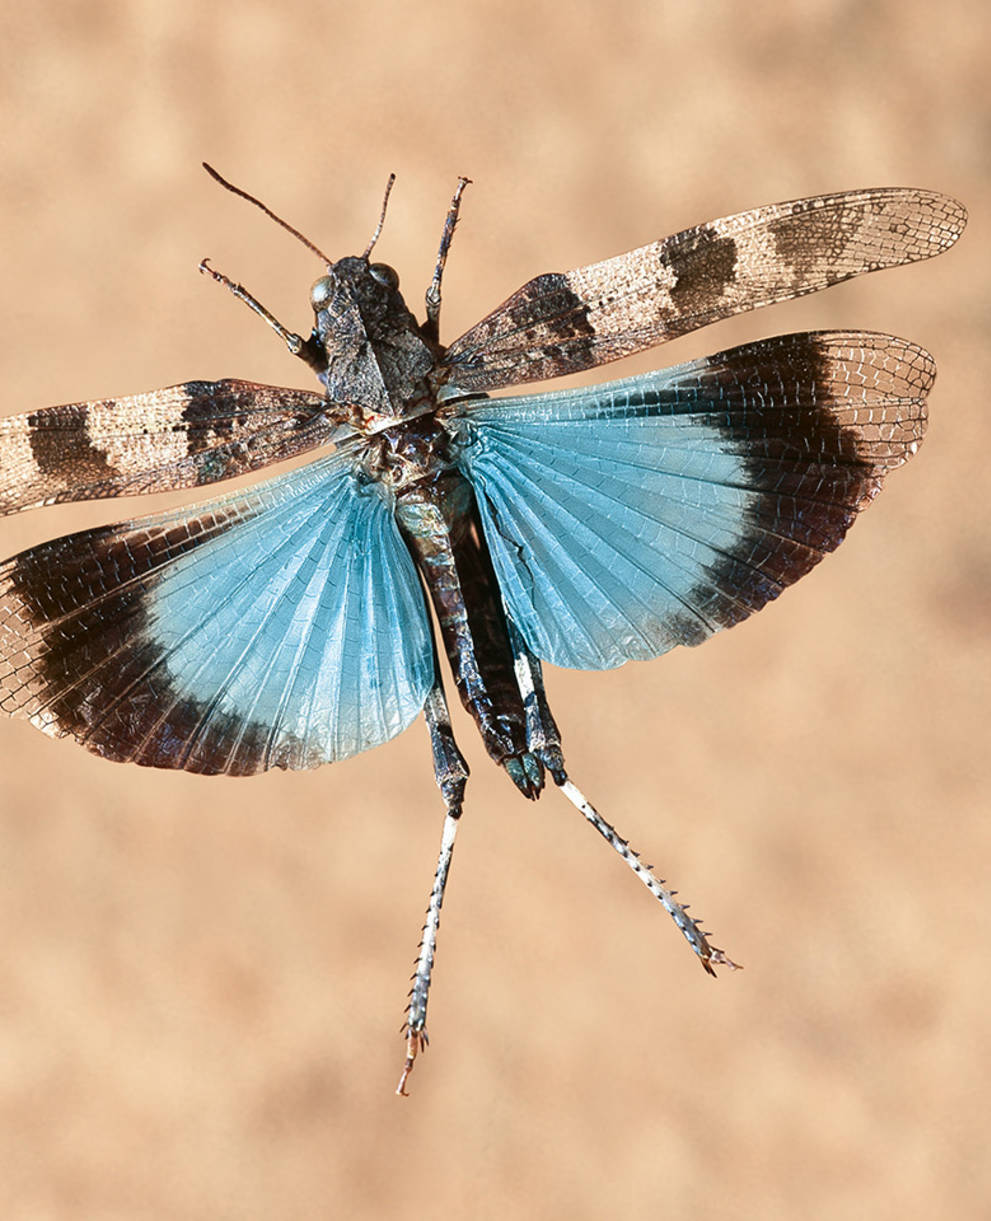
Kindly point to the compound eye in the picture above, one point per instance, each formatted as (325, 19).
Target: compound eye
(320, 293)
(384, 274)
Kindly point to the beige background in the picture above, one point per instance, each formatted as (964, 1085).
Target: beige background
(201, 982)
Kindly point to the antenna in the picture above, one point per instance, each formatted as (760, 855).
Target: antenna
(378, 227)
(229, 186)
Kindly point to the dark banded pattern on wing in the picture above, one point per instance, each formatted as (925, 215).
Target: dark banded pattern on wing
(565, 322)
(284, 627)
(628, 518)
(180, 437)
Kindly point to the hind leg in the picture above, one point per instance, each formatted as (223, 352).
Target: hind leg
(544, 741)
(451, 774)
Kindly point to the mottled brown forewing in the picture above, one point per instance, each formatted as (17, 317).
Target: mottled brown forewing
(565, 322)
(180, 437)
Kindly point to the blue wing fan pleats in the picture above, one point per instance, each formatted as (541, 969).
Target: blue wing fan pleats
(599, 556)
(328, 649)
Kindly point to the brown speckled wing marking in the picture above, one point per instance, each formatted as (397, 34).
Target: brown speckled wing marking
(566, 322)
(180, 437)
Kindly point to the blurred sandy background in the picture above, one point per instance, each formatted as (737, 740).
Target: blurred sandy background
(202, 981)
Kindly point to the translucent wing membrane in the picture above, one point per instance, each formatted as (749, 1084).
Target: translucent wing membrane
(564, 322)
(627, 518)
(181, 437)
(281, 627)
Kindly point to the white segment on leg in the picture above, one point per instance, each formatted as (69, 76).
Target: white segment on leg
(709, 955)
(416, 1015)
(524, 676)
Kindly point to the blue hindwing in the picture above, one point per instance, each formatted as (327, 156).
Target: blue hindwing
(284, 626)
(626, 518)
